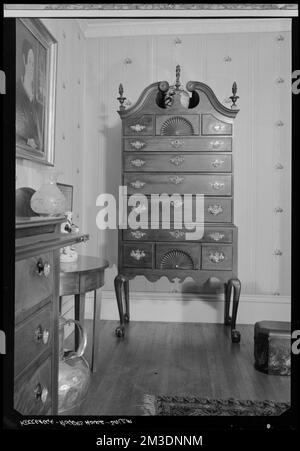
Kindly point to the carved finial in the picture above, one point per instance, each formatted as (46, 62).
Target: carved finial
(121, 98)
(177, 84)
(234, 97)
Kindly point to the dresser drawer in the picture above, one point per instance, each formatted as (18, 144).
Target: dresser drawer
(181, 125)
(139, 126)
(213, 126)
(177, 162)
(33, 337)
(139, 256)
(178, 256)
(179, 183)
(180, 144)
(32, 394)
(216, 209)
(217, 257)
(33, 280)
(210, 235)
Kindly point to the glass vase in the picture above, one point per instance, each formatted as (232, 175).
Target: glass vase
(48, 200)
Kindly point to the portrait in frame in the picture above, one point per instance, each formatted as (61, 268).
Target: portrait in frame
(36, 55)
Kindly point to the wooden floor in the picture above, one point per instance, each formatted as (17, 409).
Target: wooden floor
(174, 358)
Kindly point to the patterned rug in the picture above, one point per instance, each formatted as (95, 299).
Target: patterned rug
(194, 406)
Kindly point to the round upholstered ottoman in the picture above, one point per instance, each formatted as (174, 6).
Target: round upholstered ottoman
(272, 347)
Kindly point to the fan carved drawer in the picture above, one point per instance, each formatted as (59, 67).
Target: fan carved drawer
(212, 126)
(148, 162)
(180, 144)
(181, 125)
(33, 337)
(178, 256)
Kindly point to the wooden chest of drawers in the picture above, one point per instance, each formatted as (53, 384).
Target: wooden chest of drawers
(37, 271)
(177, 149)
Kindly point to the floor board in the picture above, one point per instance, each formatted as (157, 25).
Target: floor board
(175, 359)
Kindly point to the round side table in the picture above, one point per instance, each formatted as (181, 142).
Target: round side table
(76, 279)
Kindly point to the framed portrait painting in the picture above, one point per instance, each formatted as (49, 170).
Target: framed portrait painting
(36, 54)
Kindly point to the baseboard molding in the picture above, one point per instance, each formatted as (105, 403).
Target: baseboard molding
(189, 307)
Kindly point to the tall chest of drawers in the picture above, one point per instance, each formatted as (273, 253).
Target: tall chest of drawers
(178, 143)
(37, 272)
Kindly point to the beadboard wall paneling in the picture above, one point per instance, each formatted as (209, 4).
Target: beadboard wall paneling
(255, 61)
(68, 115)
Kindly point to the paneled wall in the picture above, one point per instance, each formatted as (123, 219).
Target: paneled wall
(260, 63)
(68, 114)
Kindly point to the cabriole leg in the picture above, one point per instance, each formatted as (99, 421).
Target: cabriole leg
(227, 318)
(126, 293)
(235, 286)
(120, 330)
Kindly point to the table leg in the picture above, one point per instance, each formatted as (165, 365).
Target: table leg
(79, 314)
(96, 329)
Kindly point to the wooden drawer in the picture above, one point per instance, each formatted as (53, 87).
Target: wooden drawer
(216, 209)
(32, 394)
(181, 125)
(178, 256)
(216, 257)
(177, 162)
(210, 235)
(139, 256)
(139, 126)
(217, 235)
(180, 144)
(33, 337)
(180, 183)
(213, 126)
(32, 286)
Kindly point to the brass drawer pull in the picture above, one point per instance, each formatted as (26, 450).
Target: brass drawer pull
(176, 180)
(137, 254)
(177, 161)
(137, 145)
(216, 236)
(137, 127)
(216, 144)
(43, 268)
(139, 209)
(215, 209)
(216, 163)
(278, 252)
(137, 163)
(177, 203)
(138, 234)
(41, 393)
(177, 234)
(217, 257)
(138, 184)
(176, 143)
(218, 127)
(42, 336)
(217, 185)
